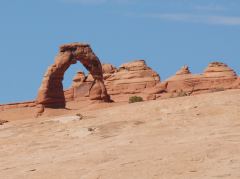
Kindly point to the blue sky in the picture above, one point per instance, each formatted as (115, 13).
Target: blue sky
(166, 33)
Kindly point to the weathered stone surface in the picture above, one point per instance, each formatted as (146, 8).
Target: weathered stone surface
(134, 78)
(78, 79)
(51, 91)
(108, 69)
(69, 94)
(131, 78)
(217, 76)
(218, 69)
(236, 84)
(159, 88)
(136, 65)
(17, 105)
(183, 71)
(151, 97)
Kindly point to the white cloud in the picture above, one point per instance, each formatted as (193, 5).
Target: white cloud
(206, 19)
(201, 16)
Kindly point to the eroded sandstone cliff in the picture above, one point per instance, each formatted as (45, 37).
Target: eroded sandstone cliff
(216, 77)
(136, 78)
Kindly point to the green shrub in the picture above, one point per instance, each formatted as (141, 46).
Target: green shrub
(135, 99)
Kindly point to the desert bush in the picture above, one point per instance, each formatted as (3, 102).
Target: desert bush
(135, 99)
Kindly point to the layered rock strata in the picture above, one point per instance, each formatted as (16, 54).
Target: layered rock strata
(130, 79)
(134, 78)
(17, 105)
(217, 76)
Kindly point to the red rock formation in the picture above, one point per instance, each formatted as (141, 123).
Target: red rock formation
(130, 79)
(218, 69)
(183, 71)
(134, 78)
(236, 84)
(78, 79)
(108, 69)
(183, 80)
(217, 76)
(51, 91)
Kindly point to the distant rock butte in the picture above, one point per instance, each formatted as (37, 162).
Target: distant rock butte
(216, 77)
(218, 69)
(133, 78)
(136, 78)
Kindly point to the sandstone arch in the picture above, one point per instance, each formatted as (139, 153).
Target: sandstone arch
(51, 92)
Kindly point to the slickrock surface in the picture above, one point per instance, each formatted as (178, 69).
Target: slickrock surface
(191, 137)
(17, 105)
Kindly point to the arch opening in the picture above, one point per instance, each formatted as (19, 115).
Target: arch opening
(71, 73)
